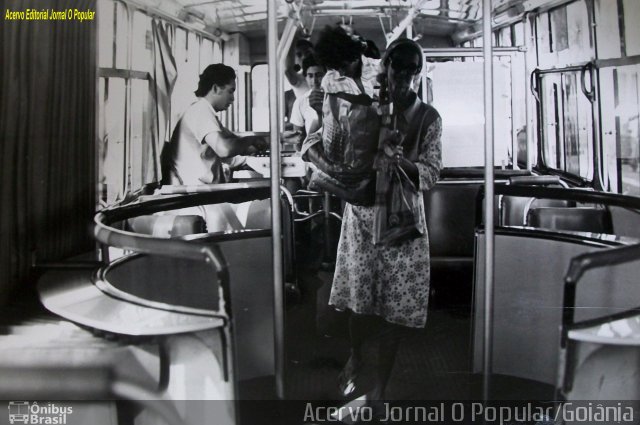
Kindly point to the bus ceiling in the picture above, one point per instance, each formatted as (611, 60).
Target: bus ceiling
(384, 20)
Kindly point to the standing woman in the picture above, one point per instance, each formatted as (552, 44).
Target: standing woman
(386, 288)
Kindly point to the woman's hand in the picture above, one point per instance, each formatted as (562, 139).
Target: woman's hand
(392, 148)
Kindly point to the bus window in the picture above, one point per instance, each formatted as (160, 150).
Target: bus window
(111, 147)
(556, 45)
(458, 97)
(129, 132)
(631, 30)
(141, 165)
(567, 132)
(188, 67)
(620, 90)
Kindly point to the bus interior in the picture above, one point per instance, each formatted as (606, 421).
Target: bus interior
(131, 311)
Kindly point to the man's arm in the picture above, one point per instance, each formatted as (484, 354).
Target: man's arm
(226, 144)
(292, 75)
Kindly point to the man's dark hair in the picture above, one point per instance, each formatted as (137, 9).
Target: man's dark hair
(218, 74)
(303, 43)
(308, 62)
(335, 47)
(372, 50)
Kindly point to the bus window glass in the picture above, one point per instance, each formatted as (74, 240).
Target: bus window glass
(217, 52)
(551, 148)
(141, 43)
(622, 129)
(518, 34)
(206, 54)
(504, 38)
(580, 44)
(631, 27)
(557, 45)
(607, 103)
(260, 98)
(140, 156)
(559, 40)
(607, 32)
(567, 131)
(105, 12)
(121, 29)
(576, 129)
(458, 97)
(187, 80)
(111, 139)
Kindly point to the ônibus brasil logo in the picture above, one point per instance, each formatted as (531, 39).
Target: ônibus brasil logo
(34, 413)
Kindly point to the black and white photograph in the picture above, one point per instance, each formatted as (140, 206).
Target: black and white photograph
(299, 212)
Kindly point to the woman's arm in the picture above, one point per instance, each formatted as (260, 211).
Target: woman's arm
(430, 156)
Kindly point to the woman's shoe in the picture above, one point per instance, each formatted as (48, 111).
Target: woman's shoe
(355, 380)
(347, 377)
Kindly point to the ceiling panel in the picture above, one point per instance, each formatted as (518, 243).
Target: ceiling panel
(432, 17)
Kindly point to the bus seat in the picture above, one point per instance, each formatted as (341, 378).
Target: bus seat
(450, 212)
(168, 226)
(581, 219)
(259, 217)
(513, 209)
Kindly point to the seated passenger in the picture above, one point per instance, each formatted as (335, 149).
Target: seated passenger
(203, 151)
(201, 146)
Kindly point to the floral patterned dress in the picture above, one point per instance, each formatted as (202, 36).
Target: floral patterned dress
(390, 281)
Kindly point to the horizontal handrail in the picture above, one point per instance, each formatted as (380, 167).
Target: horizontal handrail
(577, 267)
(228, 192)
(148, 244)
(579, 195)
(593, 260)
(589, 261)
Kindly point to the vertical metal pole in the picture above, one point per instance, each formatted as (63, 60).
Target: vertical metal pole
(276, 213)
(529, 105)
(487, 51)
(283, 50)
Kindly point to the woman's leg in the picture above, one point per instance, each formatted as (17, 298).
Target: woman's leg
(374, 345)
(358, 374)
(385, 343)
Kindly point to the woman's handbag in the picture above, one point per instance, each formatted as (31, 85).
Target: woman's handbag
(397, 204)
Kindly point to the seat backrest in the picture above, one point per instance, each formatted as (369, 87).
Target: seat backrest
(536, 181)
(582, 219)
(451, 213)
(259, 217)
(168, 226)
(513, 209)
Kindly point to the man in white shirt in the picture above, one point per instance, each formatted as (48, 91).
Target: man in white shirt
(202, 150)
(201, 146)
(306, 113)
(301, 49)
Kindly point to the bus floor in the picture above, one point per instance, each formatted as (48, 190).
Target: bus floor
(432, 363)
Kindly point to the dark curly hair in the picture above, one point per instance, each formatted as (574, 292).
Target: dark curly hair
(308, 62)
(218, 74)
(335, 48)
